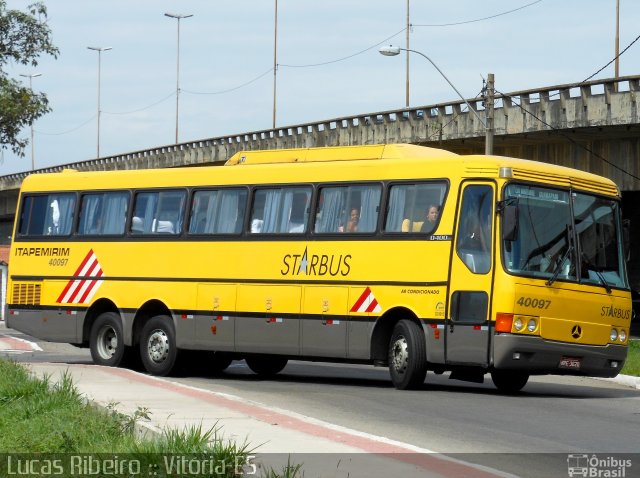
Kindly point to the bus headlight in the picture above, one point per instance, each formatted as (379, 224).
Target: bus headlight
(531, 325)
(517, 324)
(622, 336)
(614, 335)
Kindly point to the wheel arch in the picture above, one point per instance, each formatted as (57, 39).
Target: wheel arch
(149, 309)
(96, 309)
(383, 329)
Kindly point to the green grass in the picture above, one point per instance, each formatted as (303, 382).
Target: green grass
(632, 365)
(39, 416)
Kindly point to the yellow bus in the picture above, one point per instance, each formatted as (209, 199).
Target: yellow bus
(398, 255)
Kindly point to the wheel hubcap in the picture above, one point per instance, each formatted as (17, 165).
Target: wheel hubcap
(400, 355)
(158, 346)
(107, 342)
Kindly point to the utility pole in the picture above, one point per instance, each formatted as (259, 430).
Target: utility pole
(488, 108)
(99, 49)
(33, 154)
(408, 48)
(617, 67)
(178, 17)
(275, 61)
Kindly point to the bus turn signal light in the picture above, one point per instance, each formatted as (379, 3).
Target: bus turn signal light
(504, 322)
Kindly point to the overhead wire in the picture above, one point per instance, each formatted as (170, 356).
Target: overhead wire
(566, 136)
(68, 131)
(477, 19)
(229, 89)
(345, 57)
(141, 109)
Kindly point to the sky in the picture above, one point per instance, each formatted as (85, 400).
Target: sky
(328, 63)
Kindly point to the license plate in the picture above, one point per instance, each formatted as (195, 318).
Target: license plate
(572, 363)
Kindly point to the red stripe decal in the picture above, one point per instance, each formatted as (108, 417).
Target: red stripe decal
(361, 300)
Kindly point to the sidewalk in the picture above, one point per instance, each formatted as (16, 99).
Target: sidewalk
(324, 449)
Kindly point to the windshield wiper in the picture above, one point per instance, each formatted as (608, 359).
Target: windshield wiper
(592, 267)
(558, 269)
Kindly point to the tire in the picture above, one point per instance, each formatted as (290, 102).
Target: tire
(158, 349)
(407, 355)
(106, 340)
(266, 365)
(509, 381)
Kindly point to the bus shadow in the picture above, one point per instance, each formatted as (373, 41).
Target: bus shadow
(375, 378)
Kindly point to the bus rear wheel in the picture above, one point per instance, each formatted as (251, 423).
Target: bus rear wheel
(407, 355)
(158, 349)
(106, 340)
(509, 381)
(266, 365)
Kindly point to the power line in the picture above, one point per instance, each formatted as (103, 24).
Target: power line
(346, 57)
(566, 136)
(68, 131)
(614, 59)
(477, 19)
(230, 89)
(141, 109)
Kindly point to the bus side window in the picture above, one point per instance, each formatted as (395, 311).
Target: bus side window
(158, 212)
(47, 215)
(348, 209)
(410, 204)
(103, 213)
(280, 210)
(218, 212)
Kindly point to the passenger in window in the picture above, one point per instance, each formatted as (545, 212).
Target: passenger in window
(256, 226)
(352, 223)
(432, 214)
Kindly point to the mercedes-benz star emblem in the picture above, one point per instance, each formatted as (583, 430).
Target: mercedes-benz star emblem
(576, 332)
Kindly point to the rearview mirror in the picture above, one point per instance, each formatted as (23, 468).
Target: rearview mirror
(510, 222)
(626, 239)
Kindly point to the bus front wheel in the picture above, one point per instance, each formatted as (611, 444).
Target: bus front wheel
(407, 355)
(158, 346)
(266, 365)
(106, 340)
(509, 381)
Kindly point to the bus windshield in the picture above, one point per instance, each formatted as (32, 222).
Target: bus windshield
(575, 240)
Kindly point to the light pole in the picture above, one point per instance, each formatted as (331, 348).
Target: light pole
(275, 61)
(617, 42)
(178, 17)
(99, 49)
(31, 77)
(395, 50)
(408, 50)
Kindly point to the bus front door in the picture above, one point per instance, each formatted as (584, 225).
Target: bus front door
(467, 324)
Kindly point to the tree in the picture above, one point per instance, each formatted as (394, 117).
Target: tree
(24, 37)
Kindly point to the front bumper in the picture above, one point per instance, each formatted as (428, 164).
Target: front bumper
(538, 356)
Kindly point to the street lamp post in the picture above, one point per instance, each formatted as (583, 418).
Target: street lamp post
(178, 17)
(395, 50)
(31, 77)
(275, 61)
(99, 49)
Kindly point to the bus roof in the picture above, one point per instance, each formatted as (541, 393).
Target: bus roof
(372, 162)
(337, 153)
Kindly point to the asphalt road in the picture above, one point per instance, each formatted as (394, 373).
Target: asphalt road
(555, 416)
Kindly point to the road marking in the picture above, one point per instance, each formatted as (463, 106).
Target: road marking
(17, 345)
(368, 443)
